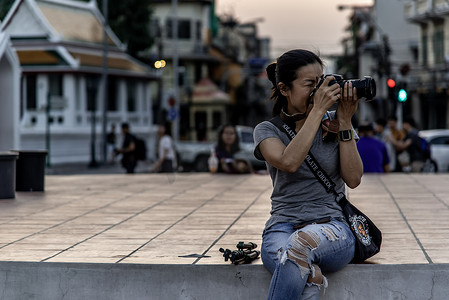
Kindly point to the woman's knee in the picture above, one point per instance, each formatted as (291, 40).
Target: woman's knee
(299, 251)
(302, 243)
(300, 248)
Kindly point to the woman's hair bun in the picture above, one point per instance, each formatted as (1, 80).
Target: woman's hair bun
(271, 73)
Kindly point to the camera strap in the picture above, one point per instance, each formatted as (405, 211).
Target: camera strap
(310, 161)
(368, 238)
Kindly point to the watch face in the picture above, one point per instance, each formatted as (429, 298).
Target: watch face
(345, 135)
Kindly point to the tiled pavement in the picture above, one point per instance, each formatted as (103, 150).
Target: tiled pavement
(160, 219)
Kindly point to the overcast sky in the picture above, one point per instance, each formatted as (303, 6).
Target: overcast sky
(312, 24)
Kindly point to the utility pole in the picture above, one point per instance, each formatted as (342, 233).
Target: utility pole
(47, 129)
(105, 79)
(175, 69)
(91, 84)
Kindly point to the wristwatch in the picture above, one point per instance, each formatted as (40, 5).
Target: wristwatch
(345, 135)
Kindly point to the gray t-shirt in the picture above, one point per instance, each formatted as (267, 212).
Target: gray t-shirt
(299, 198)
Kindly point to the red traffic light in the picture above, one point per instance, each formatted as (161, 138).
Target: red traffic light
(391, 83)
(171, 102)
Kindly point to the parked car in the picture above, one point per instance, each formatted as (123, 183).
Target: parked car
(439, 148)
(193, 156)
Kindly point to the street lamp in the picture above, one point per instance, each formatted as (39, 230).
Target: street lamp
(91, 88)
(175, 130)
(159, 64)
(105, 78)
(47, 128)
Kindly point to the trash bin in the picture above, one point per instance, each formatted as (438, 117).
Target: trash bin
(30, 170)
(7, 174)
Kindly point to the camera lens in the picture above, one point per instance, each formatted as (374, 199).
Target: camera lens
(366, 88)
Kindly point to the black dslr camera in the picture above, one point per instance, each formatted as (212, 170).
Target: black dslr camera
(366, 88)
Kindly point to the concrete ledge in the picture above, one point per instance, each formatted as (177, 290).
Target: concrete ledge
(32, 280)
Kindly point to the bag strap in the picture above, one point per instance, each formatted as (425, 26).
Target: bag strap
(311, 162)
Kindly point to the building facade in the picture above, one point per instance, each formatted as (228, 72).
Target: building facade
(382, 44)
(430, 84)
(210, 50)
(67, 58)
(186, 49)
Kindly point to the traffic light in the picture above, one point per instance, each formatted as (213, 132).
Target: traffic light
(397, 90)
(402, 95)
(391, 83)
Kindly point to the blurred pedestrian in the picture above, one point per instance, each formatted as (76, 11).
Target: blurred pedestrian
(129, 160)
(111, 143)
(379, 128)
(411, 153)
(383, 133)
(394, 135)
(166, 161)
(227, 147)
(372, 150)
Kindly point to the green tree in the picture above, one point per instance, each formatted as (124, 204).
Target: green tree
(130, 21)
(5, 5)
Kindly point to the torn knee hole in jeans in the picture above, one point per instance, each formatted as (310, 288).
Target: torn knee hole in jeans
(331, 234)
(324, 283)
(301, 244)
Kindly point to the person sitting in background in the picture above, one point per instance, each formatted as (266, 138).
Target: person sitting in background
(227, 146)
(396, 133)
(412, 156)
(373, 151)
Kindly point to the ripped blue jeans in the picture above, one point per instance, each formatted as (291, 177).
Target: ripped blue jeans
(297, 257)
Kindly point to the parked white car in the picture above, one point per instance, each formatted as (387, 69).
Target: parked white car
(439, 147)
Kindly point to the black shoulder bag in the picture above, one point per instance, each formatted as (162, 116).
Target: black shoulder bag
(368, 237)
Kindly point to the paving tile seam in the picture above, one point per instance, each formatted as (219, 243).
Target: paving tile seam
(49, 208)
(430, 225)
(84, 214)
(119, 223)
(431, 192)
(175, 223)
(429, 260)
(232, 224)
(68, 220)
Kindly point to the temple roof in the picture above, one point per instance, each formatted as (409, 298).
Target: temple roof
(205, 91)
(66, 35)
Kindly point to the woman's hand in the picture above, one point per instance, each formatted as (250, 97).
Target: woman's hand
(351, 166)
(325, 96)
(347, 105)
